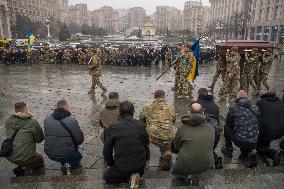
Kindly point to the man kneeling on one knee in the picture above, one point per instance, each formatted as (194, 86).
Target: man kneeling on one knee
(62, 138)
(193, 144)
(126, 148)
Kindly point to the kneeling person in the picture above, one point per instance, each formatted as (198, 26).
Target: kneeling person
(62, 137)
(160, 118)
(193, 145)
(126, 148)
(28, 133)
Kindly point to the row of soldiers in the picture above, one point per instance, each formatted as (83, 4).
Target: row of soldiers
(242, 72)
(119, 57)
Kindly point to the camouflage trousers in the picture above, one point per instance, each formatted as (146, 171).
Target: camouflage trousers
(96, 82)
(216, 76)
(183, 87)
(249, 80)
(263, 78)
(164, 145)
(229, 89)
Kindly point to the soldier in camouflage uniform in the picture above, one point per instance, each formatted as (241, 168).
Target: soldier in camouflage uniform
(251, 67)
(81, 57)
(265, 68)
(232, 79)
(46, 53)
(183, 87)
(160, 118)
(96, 72)
(220, 70)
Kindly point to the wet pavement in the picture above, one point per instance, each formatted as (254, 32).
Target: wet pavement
(41, 86)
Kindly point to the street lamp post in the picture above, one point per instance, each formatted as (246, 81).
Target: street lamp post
(47, 23)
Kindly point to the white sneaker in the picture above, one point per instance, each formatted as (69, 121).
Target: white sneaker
(134, 180)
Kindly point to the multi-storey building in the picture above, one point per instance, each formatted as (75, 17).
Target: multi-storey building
(167, 18)
(194, 16)
(266, 20)
(78, 14)
(36, 10)
(136, 17)
(61, 11)
(4, 20)
(227, 18)
(123, 19)
(108, 18)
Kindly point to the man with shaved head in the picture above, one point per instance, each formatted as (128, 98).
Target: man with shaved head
(193, 145)
(241, 128)
(271, 124)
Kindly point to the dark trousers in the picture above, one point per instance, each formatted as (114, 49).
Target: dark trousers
(114, 176)
(263, 145)
(230, 138)
(216, 141)
(73, 159)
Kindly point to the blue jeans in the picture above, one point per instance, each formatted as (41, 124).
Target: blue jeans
(73, 159)
(182, 177)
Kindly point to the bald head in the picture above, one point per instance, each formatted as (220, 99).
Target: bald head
(241, 94)
(196, 108)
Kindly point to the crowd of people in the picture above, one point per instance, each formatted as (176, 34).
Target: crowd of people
(251, 127)
(129, 56)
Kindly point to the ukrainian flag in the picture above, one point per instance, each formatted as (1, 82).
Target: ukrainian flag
(194, 71)
(31, 38)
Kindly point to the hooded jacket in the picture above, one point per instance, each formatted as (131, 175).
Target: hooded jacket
(29, 134)
(58, 141)
(193, 145)
(243, 119)
(127, 145)
(271, 115)
(110, 113)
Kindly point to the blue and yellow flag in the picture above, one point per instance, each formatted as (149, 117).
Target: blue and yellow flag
(196, 50)
(31, 38)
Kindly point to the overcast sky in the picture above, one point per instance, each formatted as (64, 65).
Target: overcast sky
(149, 5)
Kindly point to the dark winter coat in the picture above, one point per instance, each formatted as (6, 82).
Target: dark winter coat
(110, 113)
(193, 145)
(243, 119)
(271, 115)
(58, 141)
(127, 145)
(29, 134)
(209, 105)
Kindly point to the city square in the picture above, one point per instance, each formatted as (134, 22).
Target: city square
(141, 94)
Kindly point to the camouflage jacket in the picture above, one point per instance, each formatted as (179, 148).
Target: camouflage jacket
(96, 67)
(159, 117)
(220, 64)
(267, 62)
(233, 65)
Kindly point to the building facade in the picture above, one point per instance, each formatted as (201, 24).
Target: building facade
(123, 20)
(267, 20)
(61, 11)
(167, 19)
(36, 10)
(228, 19)
(108, 18)
(4, 20)
(136, 17)
(78, 14)
(195, 17)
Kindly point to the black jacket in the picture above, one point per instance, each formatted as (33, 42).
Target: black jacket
(128, 141)
(271, 115)
(209, 105)
(243, 119)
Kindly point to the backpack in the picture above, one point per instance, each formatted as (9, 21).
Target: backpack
(7, 146)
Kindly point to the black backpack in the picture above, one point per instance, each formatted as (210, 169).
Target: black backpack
(7, 146)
